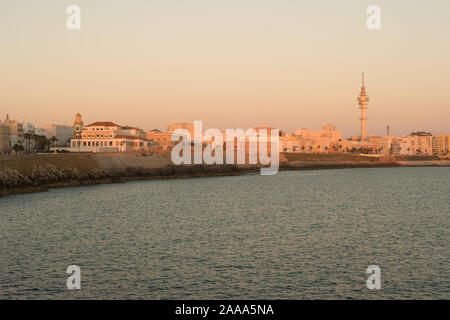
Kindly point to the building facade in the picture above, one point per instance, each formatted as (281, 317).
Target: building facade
(311, 141)
(163, 139)
(182, 125)
(441, 144)
(413, 145)
(328, 131)
(5, 139)
(60, 134)
(16, 131)
(108, 137)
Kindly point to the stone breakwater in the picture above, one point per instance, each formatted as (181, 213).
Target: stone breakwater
(33, 173)
(39, 172)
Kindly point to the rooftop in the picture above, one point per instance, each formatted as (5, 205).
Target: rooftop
(103, 124)
(123, 136)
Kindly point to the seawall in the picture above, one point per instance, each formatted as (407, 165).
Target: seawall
(33, 173)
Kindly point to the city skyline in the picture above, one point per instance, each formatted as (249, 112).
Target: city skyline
(288, 65)
(164, 128)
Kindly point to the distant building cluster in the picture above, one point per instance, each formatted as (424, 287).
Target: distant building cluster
(21, 137)
(105, 136)
(328, 140)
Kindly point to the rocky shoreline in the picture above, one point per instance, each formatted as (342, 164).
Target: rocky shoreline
(46, 177)
(39, 173)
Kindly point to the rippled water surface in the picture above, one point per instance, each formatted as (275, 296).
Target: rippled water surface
(296, 235)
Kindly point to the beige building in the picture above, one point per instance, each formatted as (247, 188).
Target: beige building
(343, 146)
(63, 134)
(328, 132)
(16, 131)
(310, 141)
(5, 139)
(413, 145)
(163, 139)
(441, 144)
(423, 145)
(293, 143)
(380, 145)
(108, 137)
(181, 125)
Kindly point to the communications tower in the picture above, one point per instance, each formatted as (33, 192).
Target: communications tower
(363, 101)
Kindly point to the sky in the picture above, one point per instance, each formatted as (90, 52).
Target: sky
(230, 63)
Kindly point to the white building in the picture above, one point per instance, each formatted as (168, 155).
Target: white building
(109, 137)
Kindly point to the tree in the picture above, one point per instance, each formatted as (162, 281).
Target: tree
(53, 141)
(41, 143)
(421, 133)
(17, 148)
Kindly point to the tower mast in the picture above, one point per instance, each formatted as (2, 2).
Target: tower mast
(363, 100)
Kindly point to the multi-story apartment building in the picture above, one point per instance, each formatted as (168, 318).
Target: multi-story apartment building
(380, 145)
(412, 145)
(441, 144)
(28, 132)
(16, 131)
(62, 133)
(422, 144)
(163, 139)
(5, 139)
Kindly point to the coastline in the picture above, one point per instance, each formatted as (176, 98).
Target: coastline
(38, 173)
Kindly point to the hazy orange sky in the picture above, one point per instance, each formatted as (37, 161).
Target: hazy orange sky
(231, 63)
